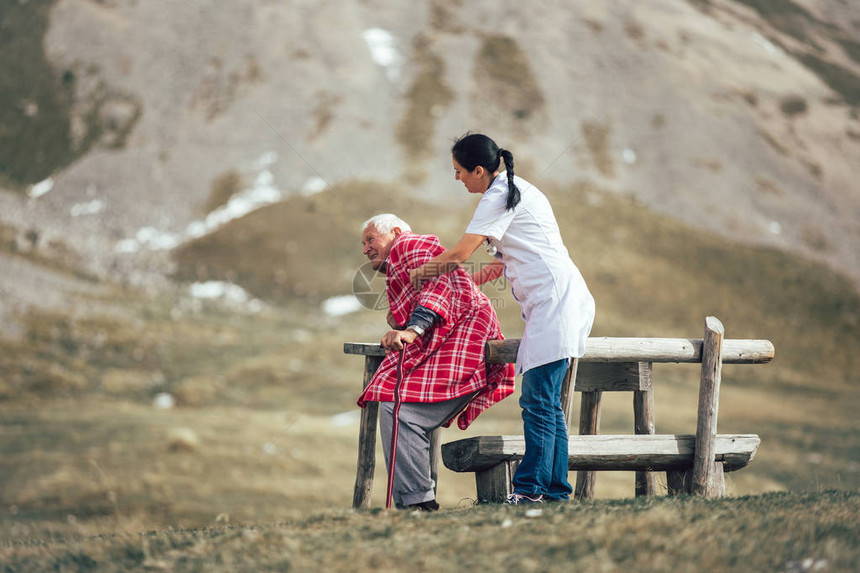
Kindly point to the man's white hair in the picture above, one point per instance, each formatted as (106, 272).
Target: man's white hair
(385, 223)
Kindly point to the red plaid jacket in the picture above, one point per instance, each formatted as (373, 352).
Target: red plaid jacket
(447, 361)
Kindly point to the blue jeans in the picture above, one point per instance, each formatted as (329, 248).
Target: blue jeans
(543, 470)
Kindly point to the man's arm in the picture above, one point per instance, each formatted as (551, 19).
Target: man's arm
(389, 318)
(421, 320)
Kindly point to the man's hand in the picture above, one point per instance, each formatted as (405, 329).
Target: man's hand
(395, 339)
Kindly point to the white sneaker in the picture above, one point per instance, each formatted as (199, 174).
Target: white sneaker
(522, 499)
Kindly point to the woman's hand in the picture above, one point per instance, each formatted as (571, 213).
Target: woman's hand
(489, 273)
(395, 339)
(446, 262)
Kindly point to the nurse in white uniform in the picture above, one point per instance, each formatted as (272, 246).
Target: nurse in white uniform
(516, 222)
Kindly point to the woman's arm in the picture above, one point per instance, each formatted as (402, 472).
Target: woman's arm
(489, 273)
(447, 261)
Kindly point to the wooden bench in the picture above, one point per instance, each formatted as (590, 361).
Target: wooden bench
(494, 458)
(694, 463)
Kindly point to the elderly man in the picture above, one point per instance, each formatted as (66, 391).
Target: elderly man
(443, 328)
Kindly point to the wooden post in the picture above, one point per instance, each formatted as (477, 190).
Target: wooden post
(494, 485)
(678, 482)
(366, 441)
(719, 480)
(589, 424)
(643, 416)
(567, 386)
(704, 482)
(435, 455)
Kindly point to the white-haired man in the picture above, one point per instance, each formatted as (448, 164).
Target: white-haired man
(444, 328)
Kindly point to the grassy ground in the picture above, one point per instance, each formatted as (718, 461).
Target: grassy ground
(265, 428)
(775, 532)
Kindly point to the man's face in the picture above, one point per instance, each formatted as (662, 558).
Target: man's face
(376, 245)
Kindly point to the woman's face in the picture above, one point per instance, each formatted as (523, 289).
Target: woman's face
(476, 181)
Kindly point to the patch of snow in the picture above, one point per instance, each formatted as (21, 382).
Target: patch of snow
(263, 192)
(156, 240)
(384, 52)
(808, 564)
(127, 246)
(345, 419)
(164, 401)
(219, 290)
(314, 185)
(88, 208)
(301, 335)
(629, 156)
(266, 160)
(775, 228)
(766, 44)
(40, 188)
(340, 305)
(269, 449)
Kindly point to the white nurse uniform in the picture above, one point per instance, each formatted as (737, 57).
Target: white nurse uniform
(556, 305)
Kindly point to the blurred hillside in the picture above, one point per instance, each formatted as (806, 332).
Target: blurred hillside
(182, 185)
(128, 127)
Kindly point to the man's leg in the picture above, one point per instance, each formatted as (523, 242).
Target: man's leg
(412, 483)
(540, 471)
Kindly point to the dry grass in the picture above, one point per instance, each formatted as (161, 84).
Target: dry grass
(222, 190)
(596, 136)
(52, 253)
(793, 105)
(852, 49)
(769, 533)
(427, 98)
(845, 82)
(254, 437)
(506, 91)
(323, 112)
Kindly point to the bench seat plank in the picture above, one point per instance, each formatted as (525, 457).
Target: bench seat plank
(655, 452)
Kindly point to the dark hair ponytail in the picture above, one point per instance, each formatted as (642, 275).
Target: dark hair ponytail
(474, 149)
(513, 191)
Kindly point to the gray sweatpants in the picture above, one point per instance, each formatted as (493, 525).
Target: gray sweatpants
(412, 483)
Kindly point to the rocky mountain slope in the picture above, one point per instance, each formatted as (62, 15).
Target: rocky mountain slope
(131, 128)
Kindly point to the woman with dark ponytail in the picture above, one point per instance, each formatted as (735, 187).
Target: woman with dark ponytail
(516, 222)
